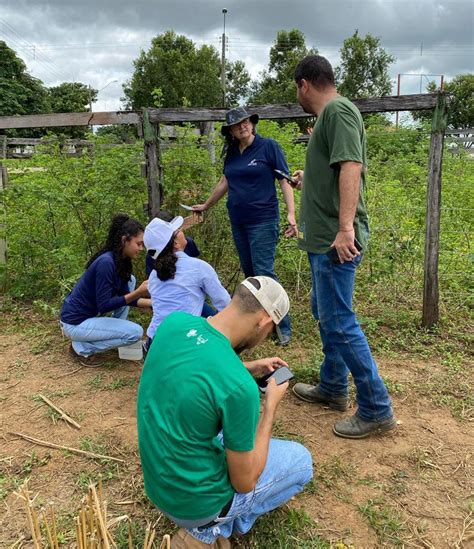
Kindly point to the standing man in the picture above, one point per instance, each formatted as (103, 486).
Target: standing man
(208, 460)
(334, 232)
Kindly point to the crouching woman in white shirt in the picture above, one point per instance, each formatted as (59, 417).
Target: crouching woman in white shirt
(177, 282)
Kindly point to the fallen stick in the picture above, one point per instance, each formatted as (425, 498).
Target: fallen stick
(61, 412)
(70, 373)
(67, 448)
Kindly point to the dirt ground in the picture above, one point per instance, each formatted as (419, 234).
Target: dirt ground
(410, 488)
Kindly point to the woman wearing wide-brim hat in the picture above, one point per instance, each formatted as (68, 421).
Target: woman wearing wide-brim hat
(249, 179)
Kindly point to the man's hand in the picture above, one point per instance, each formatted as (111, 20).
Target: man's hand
(345, 245)
(292, 229)
(264, 365)
(298, 175)
(274, 393)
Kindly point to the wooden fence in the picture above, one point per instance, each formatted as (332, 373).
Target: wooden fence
(150, 126)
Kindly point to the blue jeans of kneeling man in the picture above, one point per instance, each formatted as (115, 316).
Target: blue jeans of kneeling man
(101, 333)
(345, 346)
(289, 467)
(256, 246)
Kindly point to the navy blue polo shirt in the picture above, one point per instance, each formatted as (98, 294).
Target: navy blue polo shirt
(100, 290)
(252, 196)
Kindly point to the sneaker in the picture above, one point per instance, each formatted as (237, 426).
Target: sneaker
(310, 393)
(89, 361)
(355, 427)
(184, 540)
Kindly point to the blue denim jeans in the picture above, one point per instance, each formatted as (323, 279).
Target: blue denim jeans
(345, 346)
(101, 333)
(289, 467)
(256, 246)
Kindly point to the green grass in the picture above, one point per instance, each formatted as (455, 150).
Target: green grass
(285, 529)
(385, 520)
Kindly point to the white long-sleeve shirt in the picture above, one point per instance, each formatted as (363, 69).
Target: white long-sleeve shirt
(194, 279)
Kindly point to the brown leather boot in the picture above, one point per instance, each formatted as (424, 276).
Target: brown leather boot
(184, 540)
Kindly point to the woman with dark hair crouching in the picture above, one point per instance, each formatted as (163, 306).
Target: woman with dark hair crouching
(178, 282)
(107, 286)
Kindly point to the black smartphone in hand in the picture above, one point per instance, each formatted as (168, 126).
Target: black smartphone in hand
(280, 375)
(332, 254)
(293, 182)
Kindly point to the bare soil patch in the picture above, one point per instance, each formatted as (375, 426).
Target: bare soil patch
(410, 488)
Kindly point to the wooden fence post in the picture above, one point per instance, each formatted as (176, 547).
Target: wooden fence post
(207, 131)
(154, 172)
(3, 213)
(3, 154)
(433, 211)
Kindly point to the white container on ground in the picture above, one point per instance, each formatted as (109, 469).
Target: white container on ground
(131, 352)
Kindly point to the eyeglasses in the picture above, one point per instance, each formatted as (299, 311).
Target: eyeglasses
(244, 122)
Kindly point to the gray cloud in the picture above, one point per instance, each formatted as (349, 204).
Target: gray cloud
(95, 41)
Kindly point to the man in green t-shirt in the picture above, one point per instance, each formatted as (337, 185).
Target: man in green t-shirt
(334, 230)
(208, 461)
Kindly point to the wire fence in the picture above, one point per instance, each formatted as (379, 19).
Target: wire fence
(57, 217)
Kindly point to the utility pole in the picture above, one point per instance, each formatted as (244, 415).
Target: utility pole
(224, 11)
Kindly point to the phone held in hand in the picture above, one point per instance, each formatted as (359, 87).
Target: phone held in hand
(281, 375)
(332, 254)
(293, 182)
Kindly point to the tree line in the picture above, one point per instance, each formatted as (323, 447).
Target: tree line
(175, 72)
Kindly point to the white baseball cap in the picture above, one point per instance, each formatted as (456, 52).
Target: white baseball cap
(158, 233)
(271, 296)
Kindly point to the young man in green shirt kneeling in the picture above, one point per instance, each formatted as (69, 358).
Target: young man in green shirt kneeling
(208, 459)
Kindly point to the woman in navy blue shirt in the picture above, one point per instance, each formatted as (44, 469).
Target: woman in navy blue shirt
(249, 179)
(107, 286)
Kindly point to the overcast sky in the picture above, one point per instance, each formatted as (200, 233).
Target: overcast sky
(96, 41)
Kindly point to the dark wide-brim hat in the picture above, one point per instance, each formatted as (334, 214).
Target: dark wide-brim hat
(234, 116)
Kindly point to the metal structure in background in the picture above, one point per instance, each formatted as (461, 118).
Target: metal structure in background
(149, 121)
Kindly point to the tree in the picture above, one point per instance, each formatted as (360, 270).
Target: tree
(461, 108)
(20, 93)
(183, 72)
(363, 71)
(71, 97)
(238, 83)
(277, 84)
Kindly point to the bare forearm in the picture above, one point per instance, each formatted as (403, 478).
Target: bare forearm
(219, 191)
(288, 196)
(262, 439)
(349, 187)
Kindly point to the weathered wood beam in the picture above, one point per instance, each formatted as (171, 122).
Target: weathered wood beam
(68, 119)
(290, 110)
(371, 105)
(433, 214)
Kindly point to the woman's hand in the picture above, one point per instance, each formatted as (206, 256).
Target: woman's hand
(298, 175)
(292, 229)
(199, 208)
(143, 289)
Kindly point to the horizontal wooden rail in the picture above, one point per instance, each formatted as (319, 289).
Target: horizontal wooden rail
(198, 114)
(68, 119)
(290, 110)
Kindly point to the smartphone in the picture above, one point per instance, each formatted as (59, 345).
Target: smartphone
(280, 375)
(291, 179)
(332, 254)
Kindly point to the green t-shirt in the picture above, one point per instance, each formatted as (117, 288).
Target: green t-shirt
(338, 136)
(192, 386)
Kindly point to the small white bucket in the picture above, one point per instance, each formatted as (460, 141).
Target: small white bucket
(131, 352)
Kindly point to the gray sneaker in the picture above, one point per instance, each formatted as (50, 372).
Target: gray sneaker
(355, 427)
(310, 393)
